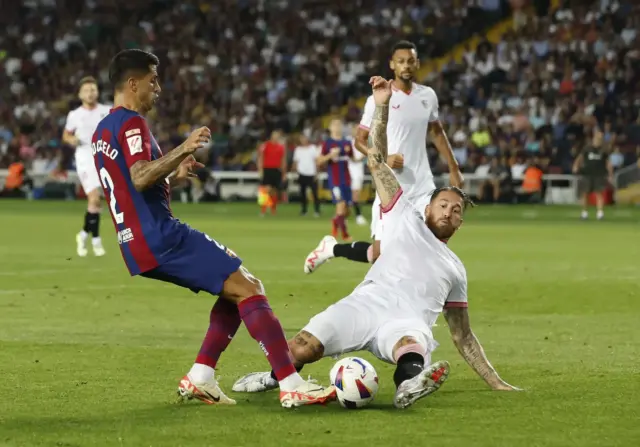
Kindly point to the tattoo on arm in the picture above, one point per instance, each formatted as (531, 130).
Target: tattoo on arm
(386, 183)
(145, 174)
(469, 346)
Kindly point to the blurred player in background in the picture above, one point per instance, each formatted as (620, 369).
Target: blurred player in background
(304, 164)
(413, 114)
(336, 153)
(596, 170)
(391, 313)
(78, 129)
(272, 167)
(136, 178)
(356, 171)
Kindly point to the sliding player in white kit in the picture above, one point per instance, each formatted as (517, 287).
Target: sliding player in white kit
(78, 130)
(413, 113)
(417, 277)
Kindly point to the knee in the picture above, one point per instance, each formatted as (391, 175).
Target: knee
(242, 285)
(406, 345)
(305, 348)
(375, 251)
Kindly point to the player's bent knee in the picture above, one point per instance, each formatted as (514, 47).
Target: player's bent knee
(305, 348)
(241, 285)
(375, 253)
(406, 345)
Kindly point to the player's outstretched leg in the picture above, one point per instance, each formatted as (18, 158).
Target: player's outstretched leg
(248, 293)
(305, 348)
(413, 379)
(329, 248)
(200, 382)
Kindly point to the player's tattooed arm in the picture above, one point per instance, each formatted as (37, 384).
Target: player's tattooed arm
(145, 174)
(469, 347)
(387, 185)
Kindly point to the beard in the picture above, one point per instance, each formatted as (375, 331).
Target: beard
(442, 229)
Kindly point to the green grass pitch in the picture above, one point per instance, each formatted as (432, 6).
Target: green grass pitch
(90, 356)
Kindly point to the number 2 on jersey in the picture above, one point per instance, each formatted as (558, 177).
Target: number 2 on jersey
(107, 182)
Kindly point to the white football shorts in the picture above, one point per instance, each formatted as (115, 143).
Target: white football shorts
(366, 321)
(86, 170)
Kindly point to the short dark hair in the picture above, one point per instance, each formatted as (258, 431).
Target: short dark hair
(128, 62)
(463, 195)
(403, 45)
(87, 80)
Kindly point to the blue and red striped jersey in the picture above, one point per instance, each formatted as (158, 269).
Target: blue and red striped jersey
(146, 228)
(338, 170)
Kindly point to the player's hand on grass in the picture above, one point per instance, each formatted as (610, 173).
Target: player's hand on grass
(186, 168)
(381, 90)
(395, 161)
(504, 386)
(197, 140)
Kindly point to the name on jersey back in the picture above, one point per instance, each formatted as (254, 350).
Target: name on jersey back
(105, 148)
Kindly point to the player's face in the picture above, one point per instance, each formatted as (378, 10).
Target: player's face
(444, 214)
(148, 89)
(404, 64)
(88, 94)
(335, 127)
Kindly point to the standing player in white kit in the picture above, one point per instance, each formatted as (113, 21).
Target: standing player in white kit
(413, 111)
(417, 277)
(78, 130)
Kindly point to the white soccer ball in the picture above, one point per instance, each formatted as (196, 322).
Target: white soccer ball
(356, 382)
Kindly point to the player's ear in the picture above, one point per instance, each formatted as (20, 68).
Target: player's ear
(392, 65)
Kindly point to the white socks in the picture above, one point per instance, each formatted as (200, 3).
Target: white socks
(84, 235)
(96, 241)
(291, 382)
(200, 373)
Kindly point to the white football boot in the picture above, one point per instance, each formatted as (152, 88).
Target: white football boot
(98, 249)
(208, 392)
(425, 383)
(322, 253)
(255, 383)
(81, 245)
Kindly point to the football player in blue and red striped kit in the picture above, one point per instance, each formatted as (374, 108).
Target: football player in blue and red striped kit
(136, 178)
(336, 153)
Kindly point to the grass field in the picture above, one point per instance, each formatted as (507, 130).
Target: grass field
(90, 356)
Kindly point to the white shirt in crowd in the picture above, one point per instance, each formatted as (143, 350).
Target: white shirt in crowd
(305, 159)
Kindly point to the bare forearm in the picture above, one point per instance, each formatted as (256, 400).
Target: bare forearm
(472, 352)
(379, 131)
(362, 146)
(442, 144)
(387, 185)
(145, 174)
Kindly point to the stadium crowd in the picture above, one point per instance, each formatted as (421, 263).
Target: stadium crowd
(241, 67)
(246, 67)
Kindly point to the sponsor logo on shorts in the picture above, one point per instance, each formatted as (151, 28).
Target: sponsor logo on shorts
(125, 236)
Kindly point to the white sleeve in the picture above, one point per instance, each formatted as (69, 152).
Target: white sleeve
(70, 125)
(398, 210)
(296, 155)
(458, 294)
(367, 113)
(435, 115)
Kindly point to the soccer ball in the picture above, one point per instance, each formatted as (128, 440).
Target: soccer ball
(356, 382)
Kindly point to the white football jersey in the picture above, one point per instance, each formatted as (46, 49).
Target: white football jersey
(409, 117)
(416, 269)
(82, 122)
